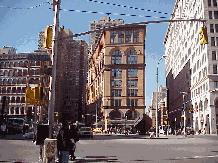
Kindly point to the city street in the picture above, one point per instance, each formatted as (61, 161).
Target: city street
(121, 148)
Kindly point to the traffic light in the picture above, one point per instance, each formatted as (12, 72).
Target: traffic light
(203, 35)
(47, 37)
(29, 96)
(38, 93)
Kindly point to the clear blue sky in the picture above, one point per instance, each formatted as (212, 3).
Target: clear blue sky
(20, 27)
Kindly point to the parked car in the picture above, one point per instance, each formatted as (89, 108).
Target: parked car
(86, 132)
(29, 135)
(190, 130)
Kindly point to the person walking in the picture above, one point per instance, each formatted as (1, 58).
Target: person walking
(3, 130)
(64, 143)
(74, 138)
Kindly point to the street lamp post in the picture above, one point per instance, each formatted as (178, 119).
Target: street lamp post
(157, 97)
(183, 97)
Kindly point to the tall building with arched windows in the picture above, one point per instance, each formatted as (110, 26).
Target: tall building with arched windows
(116, 77)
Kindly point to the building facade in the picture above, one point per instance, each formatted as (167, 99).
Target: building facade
(71, 77)
(116, 77)
(104, 22)
(191, 68)
(18, 72)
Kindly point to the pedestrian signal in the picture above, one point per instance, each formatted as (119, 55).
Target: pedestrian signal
(203, 35)
(47, 37)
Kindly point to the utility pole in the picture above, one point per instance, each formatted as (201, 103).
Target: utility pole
(56, 7)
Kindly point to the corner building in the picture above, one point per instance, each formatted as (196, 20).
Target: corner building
(116, 77)
(191, 67)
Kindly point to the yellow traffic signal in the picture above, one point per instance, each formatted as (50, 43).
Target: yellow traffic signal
(29, 96)
(38, 92)
(203, 37)
(47, 37)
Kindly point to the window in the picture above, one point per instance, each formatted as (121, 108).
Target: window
(15, 72)
(116, 83)
(4, 82)
(136, 36)
(8, 90)
(116, 73)
(14, 81)
(128, 36)
(210, 15)
(19, 72)
(19, 81)
(31, 72)
(215, 14)
(6, 73)
(216, 85)
(132, 92)
(13, 90)
(21, 63)
(2, 64)
(10, 73)
(116, 92)
(132, 73)
(132, 57)
(19, 90)
(212, 41)
(132, 102)
(209, 3)
(211, 28)
(115, 102)
(6, 64)
(216, 28)
(214, 69)
(4, 90)
(11, 64)
(132, 83)
(214, 3)
(24, 81)
(116, 57)
(213, 55)
(16, 64)
(10, 81)
(12, 101)
(32, 63)
(216, 41)
(113, 36)
(24, 72)
(120, 36)
(1, 72)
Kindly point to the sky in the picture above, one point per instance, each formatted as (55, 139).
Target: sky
(20, 27)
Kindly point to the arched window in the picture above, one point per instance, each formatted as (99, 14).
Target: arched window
(116, 57)
(132, 57)
(10, 73)
(0, 81)
(18, 89)
(13, 100)
(22, 110)
(3, 90)
(131, 114)
(23, 100)
(14, 81)
(12, 108)
(16, 64)
(31, 81)
(21, 63)
(6, 64)
(19, 81)
(11, 64)
(10, 81)
(115, 114)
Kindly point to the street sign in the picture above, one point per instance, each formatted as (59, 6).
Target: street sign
(35, 57)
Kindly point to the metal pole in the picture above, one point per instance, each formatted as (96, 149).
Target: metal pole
(157, 103)
(96, 116)
(184, 114)
(54, 55)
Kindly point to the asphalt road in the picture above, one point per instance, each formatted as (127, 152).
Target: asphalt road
(121, 148)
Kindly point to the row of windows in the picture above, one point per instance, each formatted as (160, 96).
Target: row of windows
(214, 41)
(130, 102)
(131, 73)
(213, 15)
(132, 57)
(210, 2)
(19, 81)
(213, 28)
(13, 90)
(125, 36)
(118, 92)
(12, 81)
(19, 64)
(16, 99)
(14, 73)
(130, 83)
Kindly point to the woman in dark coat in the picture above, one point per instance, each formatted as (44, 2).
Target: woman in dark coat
(74, 135)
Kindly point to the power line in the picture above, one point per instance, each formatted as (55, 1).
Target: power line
(136, 8)
(94, 12)
(28, 7)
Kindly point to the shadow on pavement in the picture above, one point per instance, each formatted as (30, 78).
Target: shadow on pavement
(103, 159)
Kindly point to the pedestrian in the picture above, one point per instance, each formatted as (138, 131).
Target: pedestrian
(74, 135)
(3, 130)
(64, 143)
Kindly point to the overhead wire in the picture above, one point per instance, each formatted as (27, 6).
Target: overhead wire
(124, 6)
(27, 7)
(94, 12)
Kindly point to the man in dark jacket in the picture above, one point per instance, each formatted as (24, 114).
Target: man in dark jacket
(63, 143)
(74, 135)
